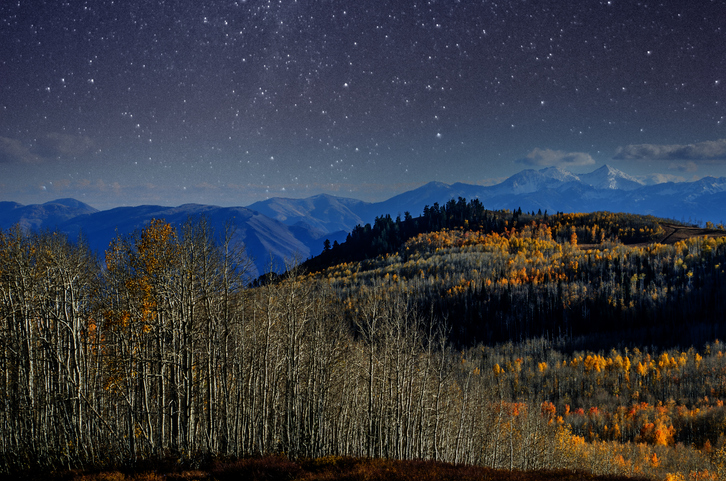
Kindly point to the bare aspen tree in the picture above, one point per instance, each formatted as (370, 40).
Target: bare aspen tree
(368, 324)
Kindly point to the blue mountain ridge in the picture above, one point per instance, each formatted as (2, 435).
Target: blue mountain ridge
(277, 230)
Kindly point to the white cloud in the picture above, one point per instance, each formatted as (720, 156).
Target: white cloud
(48, 147)
(688, 166)
(58, 145)
(547, 157)
(709, 150)
(13, 151)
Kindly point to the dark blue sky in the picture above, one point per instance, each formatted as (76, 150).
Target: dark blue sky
(127, 102)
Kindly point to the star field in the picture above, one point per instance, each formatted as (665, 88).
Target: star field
(228, 102)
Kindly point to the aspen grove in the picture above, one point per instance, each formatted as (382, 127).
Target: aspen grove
(163, 348)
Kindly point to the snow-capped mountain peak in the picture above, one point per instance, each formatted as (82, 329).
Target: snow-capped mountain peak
(607, 177)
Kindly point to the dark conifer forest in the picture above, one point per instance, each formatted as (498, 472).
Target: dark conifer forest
(524, 341)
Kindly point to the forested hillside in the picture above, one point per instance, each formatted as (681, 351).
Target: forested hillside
(387, 235)
(502, 339)
(602, 278)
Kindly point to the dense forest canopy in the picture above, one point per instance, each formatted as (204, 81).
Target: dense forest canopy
(502, 339)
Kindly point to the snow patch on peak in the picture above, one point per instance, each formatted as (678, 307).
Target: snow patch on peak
(530, 180)
(710, 185)
(558, 173)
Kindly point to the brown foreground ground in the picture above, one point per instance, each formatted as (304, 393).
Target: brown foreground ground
(274, 468)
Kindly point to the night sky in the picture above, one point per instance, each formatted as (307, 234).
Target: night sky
(132, 102)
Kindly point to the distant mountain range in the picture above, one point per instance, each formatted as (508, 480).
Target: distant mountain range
(281, 228)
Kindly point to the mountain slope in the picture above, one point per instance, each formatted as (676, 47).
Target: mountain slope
(324, 212)
(415, 200)
(40, 216)
(267, 241)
